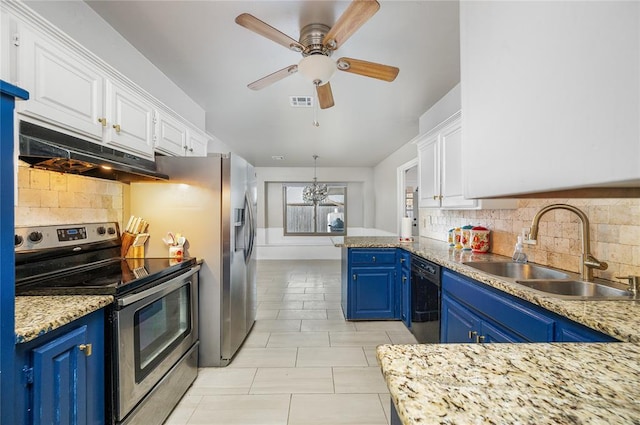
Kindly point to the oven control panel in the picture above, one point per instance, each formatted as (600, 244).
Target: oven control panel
(44, 237)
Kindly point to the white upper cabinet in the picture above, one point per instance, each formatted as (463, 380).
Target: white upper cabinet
(196, 143)
(441, 173)
(172, 136)
(440, 167)
(72, 89)
(129, 121)
(429, 172)
(63, 88)
(550, 96)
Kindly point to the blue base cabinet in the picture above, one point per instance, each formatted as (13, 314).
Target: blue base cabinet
(62, 375)
(475, 312)
(405, 288)
(370, 283)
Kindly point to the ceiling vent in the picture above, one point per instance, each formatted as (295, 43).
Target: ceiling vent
(301, 101)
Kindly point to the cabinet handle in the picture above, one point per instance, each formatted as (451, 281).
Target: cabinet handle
(480, 339)
(373, 258)
(103, 121)
(435, 197)
(355, 276)
(190, 149)
(185, 147)
(117, 127)
(404, 279)
(473, 334)
(402, 260)
(86, 348)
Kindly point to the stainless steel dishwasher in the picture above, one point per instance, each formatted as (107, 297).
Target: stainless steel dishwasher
(425, 300)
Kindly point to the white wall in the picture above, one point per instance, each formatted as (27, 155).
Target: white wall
(272, 244)
(85, 26)
(386, 187)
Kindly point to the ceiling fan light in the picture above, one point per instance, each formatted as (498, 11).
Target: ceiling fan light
(317, 68)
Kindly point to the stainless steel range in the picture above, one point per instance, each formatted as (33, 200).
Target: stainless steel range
(152, 326)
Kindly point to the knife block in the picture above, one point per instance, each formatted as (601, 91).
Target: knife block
(133, 245)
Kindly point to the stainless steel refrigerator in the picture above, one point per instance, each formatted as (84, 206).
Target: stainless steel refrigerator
(212, 202)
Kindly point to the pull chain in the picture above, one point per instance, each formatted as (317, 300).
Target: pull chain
(316, 123)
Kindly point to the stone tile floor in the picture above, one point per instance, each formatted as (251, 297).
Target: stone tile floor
(302, 363)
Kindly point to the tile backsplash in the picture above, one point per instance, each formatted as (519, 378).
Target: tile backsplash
(47, 197)
(614, 227)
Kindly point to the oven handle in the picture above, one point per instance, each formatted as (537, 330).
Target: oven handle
(167, 286)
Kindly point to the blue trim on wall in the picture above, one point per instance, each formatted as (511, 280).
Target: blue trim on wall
(8, 94)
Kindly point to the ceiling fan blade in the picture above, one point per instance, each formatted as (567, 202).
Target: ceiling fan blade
(325, 96)
(358, 12)
(368, 69)
(272, 78)
(254, 24)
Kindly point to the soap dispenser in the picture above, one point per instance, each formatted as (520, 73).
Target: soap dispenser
(518, 255)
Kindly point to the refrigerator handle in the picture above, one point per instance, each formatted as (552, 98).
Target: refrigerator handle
(250, 229)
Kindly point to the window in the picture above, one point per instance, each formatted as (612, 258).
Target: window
(325, 218)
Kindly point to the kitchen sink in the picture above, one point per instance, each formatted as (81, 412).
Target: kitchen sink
(520, 271)
(577, 289)
(553, 282)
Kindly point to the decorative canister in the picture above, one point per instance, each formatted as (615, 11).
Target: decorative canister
(457, 234)
(465, 237)
(480, 239)
(452, 237)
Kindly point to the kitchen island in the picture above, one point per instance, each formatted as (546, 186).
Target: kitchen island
(514, 383)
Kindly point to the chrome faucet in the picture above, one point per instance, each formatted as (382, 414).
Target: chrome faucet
(589, 262)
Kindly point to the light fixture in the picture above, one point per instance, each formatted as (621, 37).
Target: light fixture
(317, 68)
(315, 193)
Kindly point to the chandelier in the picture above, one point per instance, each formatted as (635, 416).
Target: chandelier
(315, 193)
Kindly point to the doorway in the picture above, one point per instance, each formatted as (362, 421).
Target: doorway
(408, 194)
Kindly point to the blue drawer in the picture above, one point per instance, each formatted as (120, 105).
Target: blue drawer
(373, 257)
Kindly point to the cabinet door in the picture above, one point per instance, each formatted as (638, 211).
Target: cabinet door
(569, 331)
(129, 121)
(172, 136)
(64, 89)
(196, 143)
(451, 168)
(429, 173)
(458, 324)
(405, 289)
(490, 333)
(373, 293)
(60, 380)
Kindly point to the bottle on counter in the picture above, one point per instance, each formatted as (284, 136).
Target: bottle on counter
(518, 254)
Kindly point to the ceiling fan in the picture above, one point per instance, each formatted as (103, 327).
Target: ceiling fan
(317, 43)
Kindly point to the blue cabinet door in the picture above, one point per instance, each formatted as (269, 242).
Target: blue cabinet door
(60, 380)
(458, 324)
(56, 381)
(404, 293)
(372, 292)
(569, 331)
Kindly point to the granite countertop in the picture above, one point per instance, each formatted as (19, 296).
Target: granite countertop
(515, 383)
(565, 383)
(620, 319)
(37, 315)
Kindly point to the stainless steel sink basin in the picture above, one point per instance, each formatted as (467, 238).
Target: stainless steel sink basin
(516, 270)
(576, 289)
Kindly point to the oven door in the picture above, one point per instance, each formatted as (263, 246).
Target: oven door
(153, 329)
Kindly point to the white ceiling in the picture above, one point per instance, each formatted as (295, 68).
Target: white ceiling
(198, 45)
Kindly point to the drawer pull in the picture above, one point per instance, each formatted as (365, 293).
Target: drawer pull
(373, 258)
(472, 334)
(480, 339)
(355, 276)
(117, 127)
(103, 121)
(86, 348)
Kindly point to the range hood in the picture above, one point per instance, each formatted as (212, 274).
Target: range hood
(50, 150)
